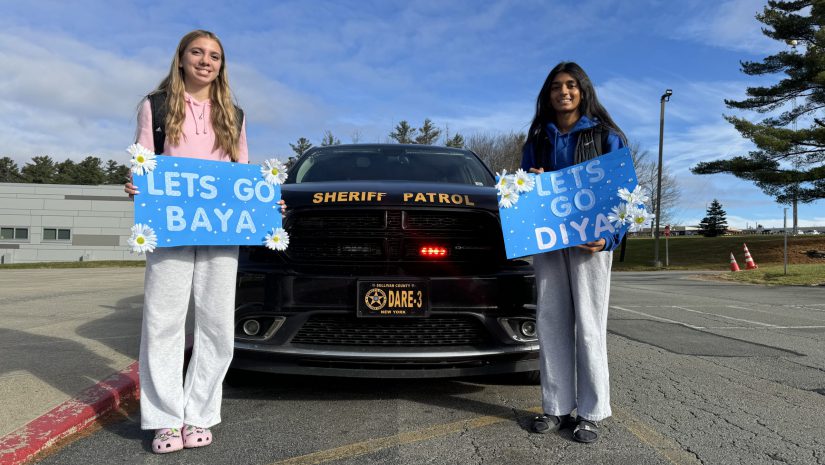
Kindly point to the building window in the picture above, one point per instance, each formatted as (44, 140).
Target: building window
(57, 234)
(14, 233)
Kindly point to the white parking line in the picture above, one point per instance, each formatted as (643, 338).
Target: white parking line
(783, 307)
(766, 326)
(772, 327)
(656, 317)
(727, 317)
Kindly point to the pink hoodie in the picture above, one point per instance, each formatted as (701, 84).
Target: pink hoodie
(197, 140)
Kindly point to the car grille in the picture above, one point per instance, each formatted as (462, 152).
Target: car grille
(425, 220)
(391, 235)
(432, 331)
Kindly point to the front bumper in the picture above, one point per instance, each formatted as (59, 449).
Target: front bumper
(452, 362)
(307, 324)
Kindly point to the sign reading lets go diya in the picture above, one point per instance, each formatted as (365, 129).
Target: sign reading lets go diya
(190, 201)
(572, 206)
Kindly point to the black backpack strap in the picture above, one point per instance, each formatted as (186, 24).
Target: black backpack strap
(600, 134)
(604, 133)
(592, 143)
(157, 102)
(588, 146)
(239, 118)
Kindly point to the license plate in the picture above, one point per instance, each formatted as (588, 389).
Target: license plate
(393, 298)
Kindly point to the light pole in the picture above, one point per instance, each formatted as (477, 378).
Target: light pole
(665, 98)
(793, 43)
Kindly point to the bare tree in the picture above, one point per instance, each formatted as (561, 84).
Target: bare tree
(646, 173)
(498, 151)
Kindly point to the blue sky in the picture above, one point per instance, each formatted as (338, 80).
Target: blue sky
(72, 74)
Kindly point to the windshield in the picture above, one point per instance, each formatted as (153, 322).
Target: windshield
(390, 164)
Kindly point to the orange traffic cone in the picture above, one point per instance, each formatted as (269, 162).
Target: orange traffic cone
(749, 263)
(733, 265)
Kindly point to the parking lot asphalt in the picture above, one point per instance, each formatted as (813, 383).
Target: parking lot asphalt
(68, 345)
(701, 373)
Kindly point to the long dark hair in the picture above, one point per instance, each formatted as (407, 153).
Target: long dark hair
(545, 113)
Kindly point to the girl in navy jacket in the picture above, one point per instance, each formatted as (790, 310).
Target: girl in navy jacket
(571, 126)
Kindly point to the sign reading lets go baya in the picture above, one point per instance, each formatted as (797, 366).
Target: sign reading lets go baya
(189, 201)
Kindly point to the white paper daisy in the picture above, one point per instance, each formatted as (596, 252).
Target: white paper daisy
(143, 239)
(639, 217)
(508, 198)
(143, 160)
(278, 239)
(524, 181)
(505, 181)
(620, 214)
(273, 171)
(638, 196)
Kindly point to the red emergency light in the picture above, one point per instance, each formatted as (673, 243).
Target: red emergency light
(432, 251)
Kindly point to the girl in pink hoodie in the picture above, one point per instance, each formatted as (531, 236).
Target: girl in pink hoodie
(200, 121)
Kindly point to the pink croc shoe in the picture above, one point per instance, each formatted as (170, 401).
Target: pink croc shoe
(194, 436)
(167, 440)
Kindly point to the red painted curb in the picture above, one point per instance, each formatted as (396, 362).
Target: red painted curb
(75, 414)
(70, 417)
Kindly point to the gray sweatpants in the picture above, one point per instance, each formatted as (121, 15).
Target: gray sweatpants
(209, 274)
(573, 293)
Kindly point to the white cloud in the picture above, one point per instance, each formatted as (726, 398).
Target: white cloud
(695, 131)
(76, 99)
(272, 104)
(71, 77)
(729, 25)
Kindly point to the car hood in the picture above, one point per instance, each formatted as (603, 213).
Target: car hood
(389, 194)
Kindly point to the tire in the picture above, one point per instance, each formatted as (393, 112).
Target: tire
(239, 378)
(529, 377)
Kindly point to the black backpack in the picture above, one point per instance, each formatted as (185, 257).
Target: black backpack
(157, 102)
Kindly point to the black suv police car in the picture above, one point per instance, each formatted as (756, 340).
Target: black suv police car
(395, 268)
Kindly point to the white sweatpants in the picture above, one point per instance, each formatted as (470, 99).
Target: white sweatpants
(573, 296)
(209, 274)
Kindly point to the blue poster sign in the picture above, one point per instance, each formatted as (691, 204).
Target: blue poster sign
(189, 201)
(568, 207)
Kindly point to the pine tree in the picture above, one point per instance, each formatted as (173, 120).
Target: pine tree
(65, 173)
(90, 172)
(715, 222)
(329, 139)
(116, 173)
(9, 172)
(427, 133)
(301, 145)
(403, 133)
(41, 170)
(789, 162)
(456, 141)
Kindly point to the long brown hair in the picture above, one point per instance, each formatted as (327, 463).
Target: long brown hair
(224, 117)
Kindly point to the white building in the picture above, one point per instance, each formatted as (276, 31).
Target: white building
(62, 223)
